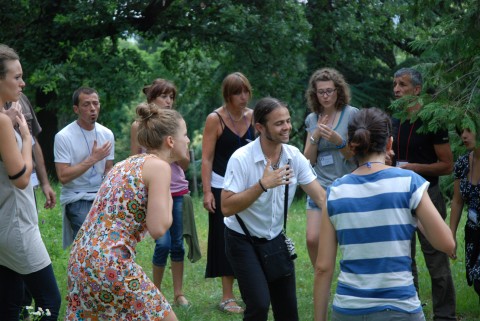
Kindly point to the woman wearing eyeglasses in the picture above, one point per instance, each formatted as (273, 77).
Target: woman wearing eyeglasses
(328, 96)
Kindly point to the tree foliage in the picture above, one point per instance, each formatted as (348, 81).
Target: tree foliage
(119, 46)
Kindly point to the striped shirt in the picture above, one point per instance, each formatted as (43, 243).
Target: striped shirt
(372, 217)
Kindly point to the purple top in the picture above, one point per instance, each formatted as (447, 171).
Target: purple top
(179, 184)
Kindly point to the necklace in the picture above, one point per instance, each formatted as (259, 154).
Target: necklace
(369, 164)
(231, 117)
(235, 127)
(277, 165)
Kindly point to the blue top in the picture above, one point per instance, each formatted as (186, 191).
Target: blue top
(372, 217)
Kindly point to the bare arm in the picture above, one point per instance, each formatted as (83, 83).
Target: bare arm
(210, 136)
(14, 159)
(159, 208)
(66, 172)
(316, 192)
(310, 151)
(50, 197)
(435, 229)
(456, 209)
(443, 166)
(324, 267)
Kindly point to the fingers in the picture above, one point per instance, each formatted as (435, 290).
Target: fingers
(277, 177)
(50, 199)
(323, 120)
(102, 151)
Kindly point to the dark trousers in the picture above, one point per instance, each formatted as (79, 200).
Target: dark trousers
(256, 292)
(438, 264)
(41, 284)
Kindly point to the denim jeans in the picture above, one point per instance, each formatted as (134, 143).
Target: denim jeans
(172, 241)
(41, 284)
(256, 292)
(388, 315)
(76, 212)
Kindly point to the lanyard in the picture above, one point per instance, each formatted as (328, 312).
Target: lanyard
(408, 140)
(94, 171)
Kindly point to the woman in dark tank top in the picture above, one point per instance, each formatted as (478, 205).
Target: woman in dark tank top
(226, 129)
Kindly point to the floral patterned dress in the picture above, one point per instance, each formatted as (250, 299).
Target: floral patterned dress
(104, 282)
(471, 196)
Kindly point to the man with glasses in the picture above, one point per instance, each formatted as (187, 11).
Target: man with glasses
(84, 152)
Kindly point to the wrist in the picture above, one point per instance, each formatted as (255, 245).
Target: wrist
(261, 185)
(342, 144)
(313, 140)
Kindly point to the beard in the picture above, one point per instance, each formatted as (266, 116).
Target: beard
(268, 136)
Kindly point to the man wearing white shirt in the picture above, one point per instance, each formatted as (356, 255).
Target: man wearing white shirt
(254, 188)
(84, 152)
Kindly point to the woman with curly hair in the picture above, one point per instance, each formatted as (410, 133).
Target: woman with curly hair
(328, 97)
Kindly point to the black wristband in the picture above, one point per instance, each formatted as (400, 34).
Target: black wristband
(19, 173)
(261, 185)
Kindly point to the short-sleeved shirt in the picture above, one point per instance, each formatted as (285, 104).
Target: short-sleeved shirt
(73, 145)
(331, 164)
(374, 225)
(413, 147)
(264, 218)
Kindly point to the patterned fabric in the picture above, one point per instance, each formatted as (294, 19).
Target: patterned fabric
(471, 196)
(104, 282)
(372, 217)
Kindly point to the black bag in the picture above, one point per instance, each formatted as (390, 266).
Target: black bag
(275, 258)
(276, 255)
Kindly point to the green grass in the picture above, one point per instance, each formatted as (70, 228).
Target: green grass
(205, 294)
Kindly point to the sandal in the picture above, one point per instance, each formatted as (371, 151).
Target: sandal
(225, 306)
(181, 300)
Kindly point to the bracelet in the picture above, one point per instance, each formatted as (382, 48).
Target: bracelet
(342, 145)
(261, 185)
(22, 171)
(313, 141)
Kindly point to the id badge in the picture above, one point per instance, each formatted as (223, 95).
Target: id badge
(326, 160)
(473, 215)
(401, 163)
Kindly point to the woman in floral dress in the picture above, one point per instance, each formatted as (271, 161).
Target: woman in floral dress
(466, 190)
(104, 282)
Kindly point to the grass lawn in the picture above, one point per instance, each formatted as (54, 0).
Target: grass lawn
(205, 294)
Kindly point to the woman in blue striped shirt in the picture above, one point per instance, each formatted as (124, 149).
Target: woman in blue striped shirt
(371, 215)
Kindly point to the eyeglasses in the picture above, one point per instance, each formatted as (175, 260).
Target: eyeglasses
(328, 91)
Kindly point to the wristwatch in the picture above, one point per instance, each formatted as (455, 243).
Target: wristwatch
(313, 141)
